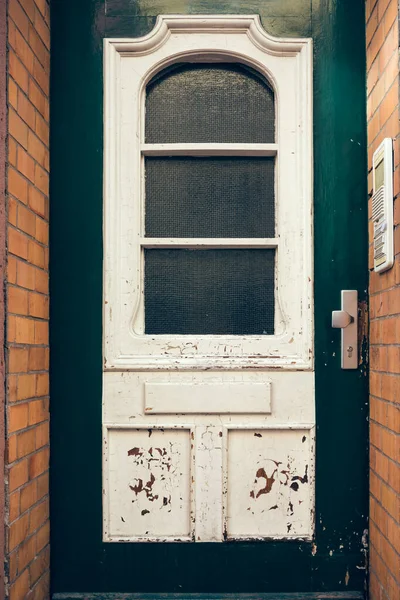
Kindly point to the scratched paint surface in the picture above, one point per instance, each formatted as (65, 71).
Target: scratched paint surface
(268, 484)
(149, 475)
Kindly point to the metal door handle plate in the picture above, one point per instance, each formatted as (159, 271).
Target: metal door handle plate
(346, 320)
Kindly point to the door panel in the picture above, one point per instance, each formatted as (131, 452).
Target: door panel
(335, 558)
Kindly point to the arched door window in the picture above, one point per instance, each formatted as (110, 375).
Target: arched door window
(209, 210)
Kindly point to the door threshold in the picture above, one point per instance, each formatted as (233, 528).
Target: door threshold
(276, 596)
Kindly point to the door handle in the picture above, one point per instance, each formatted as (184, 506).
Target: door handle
(346, 320)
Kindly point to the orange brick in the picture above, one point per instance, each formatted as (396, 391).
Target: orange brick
(39, 514)
(39, 565)
(42, 384)
(12, 152)
(26, 275)
(28, 496)
(37, 150)
(42, 281)
(11, 328)
(12, 211)
(17, 243)
(26, 553)
(41, 333)
(26, 443)
(388, 47)
(12, 381)
(18, 71)
(38, 411)
(27, 221)
(18, 475)
(17, 128)
(19, 17)
(20, 588)
(17, 185)
(17, 417)
(17, 300)
(42, 129)
(12, 270)
(42, 588)
(14, 506)
(389, 104)
(26, 164)
(12, 93)
(41, 179)
(37, 201)
(43, 536)
(36, 254)
(23, 51)
(26, 387)
(39, 305)
(42, 435)
(37, 97)
(42, 29)
(43, 485)
(25, 331)
(37, 359)
(39, 48)
(38, 463)
(11, 447)
(375, 45)
(40, 76)
(42, 231)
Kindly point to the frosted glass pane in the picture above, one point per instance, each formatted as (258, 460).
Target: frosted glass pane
(221, 292)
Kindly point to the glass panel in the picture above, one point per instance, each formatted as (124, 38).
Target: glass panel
(210, 197)
(220, 292)
(209, 103)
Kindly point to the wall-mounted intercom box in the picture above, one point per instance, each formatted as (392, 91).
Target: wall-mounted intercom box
(382, 205)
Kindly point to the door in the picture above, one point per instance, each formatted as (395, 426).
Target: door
(222, 393)
(208, 385)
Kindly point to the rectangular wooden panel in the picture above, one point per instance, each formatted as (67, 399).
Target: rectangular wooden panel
(147, 483)
(208, 398)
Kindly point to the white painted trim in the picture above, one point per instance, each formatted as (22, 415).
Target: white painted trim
(129, 64)
(209, 242)
(209, 149)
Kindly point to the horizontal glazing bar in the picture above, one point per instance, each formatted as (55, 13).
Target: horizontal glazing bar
(205, 243)
(209, 149)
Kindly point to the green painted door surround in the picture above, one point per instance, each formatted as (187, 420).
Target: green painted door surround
(81, 562)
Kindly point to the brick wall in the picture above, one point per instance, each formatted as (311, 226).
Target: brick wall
(383, 121)
(27, 351)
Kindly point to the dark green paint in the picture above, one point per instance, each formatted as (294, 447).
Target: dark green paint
(80, 561)
(307, 596)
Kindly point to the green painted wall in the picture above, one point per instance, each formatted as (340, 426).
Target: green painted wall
(80, 561)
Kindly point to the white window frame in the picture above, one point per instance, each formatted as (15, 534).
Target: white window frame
(128, 66)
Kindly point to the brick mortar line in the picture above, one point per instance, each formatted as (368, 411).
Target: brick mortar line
(15, 110)
(395, 464)
(27, 512)
(384, 426)
(384, 562)
(21, 91)
(18, 287)
(28, 43)
(394, 82)
(13, 314)
(387, 456)
(389, 402)
(19, 145)
(32, 23)
(387, 541)
(390, 517)
(379, 22)
(25, 401)
(30, 75)
(385, 510)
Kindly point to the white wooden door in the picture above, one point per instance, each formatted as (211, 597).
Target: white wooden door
(208, 387)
